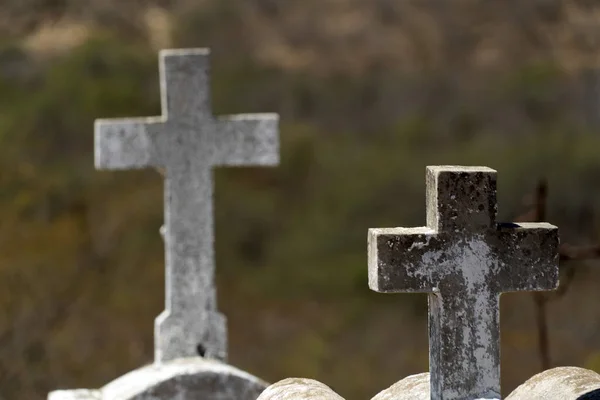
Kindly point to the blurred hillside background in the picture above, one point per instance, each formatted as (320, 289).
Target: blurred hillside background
(370, 92)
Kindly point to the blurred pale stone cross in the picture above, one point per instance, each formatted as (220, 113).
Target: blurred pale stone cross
(464, 260)
(186, 142)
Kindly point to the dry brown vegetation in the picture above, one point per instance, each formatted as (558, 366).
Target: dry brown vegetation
(369, 92)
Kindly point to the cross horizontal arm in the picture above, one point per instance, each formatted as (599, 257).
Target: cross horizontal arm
(397, 260)
(528, 253)
(248, 139)
(127, 143)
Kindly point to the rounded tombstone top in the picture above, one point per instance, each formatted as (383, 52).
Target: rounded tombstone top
(413, 387)
(562, 383)
(299, 389)
(189, 378)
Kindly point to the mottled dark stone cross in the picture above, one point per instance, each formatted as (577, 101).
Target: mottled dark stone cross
(465, 261)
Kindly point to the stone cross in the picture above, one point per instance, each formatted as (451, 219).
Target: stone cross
(464, 260)
(187, 142)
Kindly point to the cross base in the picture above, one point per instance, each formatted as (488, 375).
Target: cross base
(184, 335)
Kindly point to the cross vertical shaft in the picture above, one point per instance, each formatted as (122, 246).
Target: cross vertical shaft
(190, 294)
(483, 369)
(190, 238)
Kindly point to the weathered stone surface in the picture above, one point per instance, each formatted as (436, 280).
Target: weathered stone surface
(299, 389)
(563, 383)
(186, 379)
(187, 141)
(464, 260)
(414, 387)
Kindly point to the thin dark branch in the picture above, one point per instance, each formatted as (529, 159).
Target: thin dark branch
(567, 252)
(571, 253)
(542, 323)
